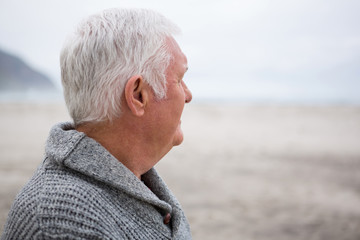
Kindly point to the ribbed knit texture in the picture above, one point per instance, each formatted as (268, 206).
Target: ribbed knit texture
(81, 191)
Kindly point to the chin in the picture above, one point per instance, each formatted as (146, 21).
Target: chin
(178, 139)
(177, 143)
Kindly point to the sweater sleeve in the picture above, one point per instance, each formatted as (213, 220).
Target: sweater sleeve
(22, 222)
(56, 210)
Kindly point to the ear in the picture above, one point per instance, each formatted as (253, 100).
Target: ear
(136, 95)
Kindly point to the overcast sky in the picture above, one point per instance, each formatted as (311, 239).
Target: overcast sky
(250, 48)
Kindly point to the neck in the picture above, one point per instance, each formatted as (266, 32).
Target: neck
(125, 140)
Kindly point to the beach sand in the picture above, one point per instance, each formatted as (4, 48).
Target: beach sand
(243, 172)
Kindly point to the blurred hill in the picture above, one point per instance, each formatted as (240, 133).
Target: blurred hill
(17, 76)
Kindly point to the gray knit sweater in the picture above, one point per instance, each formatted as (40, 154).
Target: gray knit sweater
(81, 191)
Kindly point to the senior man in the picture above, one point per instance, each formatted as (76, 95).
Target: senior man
(122, 74)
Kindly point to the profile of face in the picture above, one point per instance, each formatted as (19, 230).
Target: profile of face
(169, 110)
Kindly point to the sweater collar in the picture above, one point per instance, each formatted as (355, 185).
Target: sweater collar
(156, 184)
(75, 150)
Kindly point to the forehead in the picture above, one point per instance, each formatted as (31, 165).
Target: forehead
(179, 60)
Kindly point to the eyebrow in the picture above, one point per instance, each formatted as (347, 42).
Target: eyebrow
(181, 74)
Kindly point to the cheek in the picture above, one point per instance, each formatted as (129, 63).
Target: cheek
(177, 103)
(178, 110)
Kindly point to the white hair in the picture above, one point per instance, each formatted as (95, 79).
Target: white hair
(104, 52)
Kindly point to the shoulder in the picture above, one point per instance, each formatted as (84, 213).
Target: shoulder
(61, 201)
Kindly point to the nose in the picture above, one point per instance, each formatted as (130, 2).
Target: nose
(188, 94)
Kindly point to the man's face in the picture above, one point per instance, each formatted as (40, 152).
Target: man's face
(168, 111)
